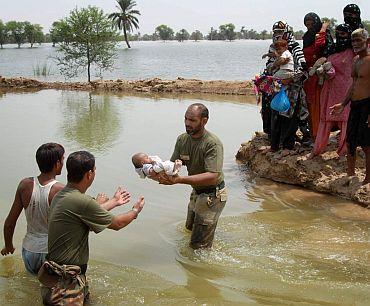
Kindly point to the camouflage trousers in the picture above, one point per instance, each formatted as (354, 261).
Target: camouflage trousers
(62, 285)
(204, 209)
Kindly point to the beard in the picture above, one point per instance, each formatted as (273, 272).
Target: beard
(192, 131)
(360, 48)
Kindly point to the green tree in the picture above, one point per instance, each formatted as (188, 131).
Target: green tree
(59, 32)
(147, 37)
(243, 33)
(366, 24)
(16, 30)
(91, 41)
(40, 36)
(252, 34)
(213, 34)
(196, 35)
(33, 32)
(298, 34)
(125, 19)
(264, 35)
(227, 31)
(3, 34)
(182, 35)
(164, 32)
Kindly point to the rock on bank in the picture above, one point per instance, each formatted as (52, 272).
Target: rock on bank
(155, 85)
(325, 173)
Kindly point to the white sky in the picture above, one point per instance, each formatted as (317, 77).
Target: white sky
(188, 14)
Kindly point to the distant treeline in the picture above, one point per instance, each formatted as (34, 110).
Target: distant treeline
(21, 32)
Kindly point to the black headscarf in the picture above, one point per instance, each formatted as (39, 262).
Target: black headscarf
(353, 22)
(342, 44)
(310, 35)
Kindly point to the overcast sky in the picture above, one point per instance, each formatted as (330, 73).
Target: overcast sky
(189, 14)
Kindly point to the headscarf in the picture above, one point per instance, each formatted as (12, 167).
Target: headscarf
(310, 35)
(342, 44)
(278, 30)
(353, 22)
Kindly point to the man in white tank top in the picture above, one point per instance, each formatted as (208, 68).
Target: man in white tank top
(34, 195)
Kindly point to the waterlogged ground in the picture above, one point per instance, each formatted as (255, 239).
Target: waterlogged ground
(275, 245)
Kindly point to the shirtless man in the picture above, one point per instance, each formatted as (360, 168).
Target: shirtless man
(358, 129)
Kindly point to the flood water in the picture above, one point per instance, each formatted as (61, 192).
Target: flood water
(275, 244)
(206, 60)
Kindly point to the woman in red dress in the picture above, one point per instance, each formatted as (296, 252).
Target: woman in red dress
(317, 42)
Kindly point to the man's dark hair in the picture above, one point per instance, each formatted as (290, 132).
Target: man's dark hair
(47, 156)
(204, 113)
(78, 163)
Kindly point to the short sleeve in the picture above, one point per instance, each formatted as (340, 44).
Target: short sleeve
(213, 158)
(176, 151)
(96, 217)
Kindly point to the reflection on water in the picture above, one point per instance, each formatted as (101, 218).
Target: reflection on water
(274, 245)
(90, 120)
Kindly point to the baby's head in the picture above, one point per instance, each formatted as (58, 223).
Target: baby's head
(281, 46)
(139, 159)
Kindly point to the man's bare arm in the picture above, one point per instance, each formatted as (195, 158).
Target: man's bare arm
(54, 190)
(11, 221)
(122, 220)
(202, 179)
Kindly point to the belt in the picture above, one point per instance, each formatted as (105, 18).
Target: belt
(210, 189)
(82, 267)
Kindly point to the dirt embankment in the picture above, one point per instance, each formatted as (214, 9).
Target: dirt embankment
(325, 173)
(155, 85)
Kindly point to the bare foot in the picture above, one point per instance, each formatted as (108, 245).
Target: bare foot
(351, 180)
(311, 156)
(285, 152)
(101, 198)
(264, 149)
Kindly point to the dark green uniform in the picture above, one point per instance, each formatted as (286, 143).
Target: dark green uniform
(71, 218)
(202, 155)
(72, 215)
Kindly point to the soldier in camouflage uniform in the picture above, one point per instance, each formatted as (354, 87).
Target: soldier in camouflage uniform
(202, 154)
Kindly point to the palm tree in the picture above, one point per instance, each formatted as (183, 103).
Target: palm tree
(125, 19)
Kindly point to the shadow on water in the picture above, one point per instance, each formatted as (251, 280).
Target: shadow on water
(92, 121)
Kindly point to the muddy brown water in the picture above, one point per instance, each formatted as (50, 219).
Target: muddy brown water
(275, 244)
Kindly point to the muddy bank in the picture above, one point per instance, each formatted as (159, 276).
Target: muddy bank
(325, 173)
(155, 85)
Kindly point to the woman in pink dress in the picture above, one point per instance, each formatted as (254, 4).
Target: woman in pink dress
(334, 91)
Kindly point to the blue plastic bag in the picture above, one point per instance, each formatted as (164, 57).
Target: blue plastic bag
(280, 102)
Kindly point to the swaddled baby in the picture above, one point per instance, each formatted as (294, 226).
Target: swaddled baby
(149, 166)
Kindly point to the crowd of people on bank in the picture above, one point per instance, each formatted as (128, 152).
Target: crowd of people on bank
(321, 88)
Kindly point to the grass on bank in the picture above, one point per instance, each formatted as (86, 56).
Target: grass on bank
(41, 69)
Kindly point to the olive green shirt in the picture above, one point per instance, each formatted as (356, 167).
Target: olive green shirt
(72, 215)
(200, 155)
